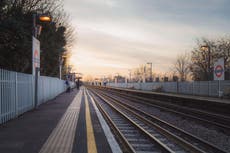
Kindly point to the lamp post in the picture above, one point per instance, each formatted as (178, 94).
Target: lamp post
(60, 66)
(228, 60)
(116, 78)
(36, 32)
(37, 28)
(144, 75)
(151, 71)
(62, 56)
(207, 48)
(130, 77)
(78, 77)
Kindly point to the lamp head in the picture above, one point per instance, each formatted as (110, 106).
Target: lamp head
(204, 47)
(44, 18)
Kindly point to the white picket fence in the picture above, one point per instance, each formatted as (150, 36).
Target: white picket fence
(202, 88)
(17, 92)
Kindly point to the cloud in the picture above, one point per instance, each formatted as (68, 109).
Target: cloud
(126, 33)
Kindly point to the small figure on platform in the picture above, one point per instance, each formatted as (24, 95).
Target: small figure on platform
(67, 86)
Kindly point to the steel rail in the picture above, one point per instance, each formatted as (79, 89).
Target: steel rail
(123, 142)
(189, 147)
(163, 123)
(162, 146)
(183, 111)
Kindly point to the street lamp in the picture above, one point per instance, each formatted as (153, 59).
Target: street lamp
(151, 71)
(208, 49)
(45, 18)
(37, 28)
(36, 32)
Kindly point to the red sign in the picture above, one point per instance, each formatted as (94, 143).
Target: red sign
(219, 70)
(36, 54)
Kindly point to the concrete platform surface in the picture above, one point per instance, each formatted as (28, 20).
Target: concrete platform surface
(70, 123)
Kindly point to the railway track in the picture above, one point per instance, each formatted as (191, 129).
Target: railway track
(134, 138)
(210, 119)
(165, 135)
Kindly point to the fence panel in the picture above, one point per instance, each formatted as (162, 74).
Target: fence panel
(200, 88)
(146, 86)
(169, 86)
(213, 88)
(49, 87)
(225, 86)
(25, 93)
(17, 92)
(204, 88)
(185, 87)
(8, 99)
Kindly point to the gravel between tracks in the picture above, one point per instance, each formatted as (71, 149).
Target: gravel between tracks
(209, 134)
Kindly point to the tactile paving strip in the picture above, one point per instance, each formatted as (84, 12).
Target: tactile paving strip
(62, 137)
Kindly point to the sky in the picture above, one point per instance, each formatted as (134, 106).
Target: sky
(114, 36)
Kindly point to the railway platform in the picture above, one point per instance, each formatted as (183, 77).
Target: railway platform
(184, 96)
(70, 123)
(101, 120)
(218, 105)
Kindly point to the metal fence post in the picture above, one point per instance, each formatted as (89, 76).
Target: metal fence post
(0, 96)
(209, 88)
(177, 87)
(36, 87)
(32, 90)
(193, 88)
(219, 92)
(16, 94)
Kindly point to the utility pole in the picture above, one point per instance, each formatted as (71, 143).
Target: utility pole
(36, 30)
(151, 71)
(130, 77)
(207, 48)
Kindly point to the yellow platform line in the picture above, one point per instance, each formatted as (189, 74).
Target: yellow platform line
(91, 144)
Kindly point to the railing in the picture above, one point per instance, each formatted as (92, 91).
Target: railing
(202, 88)
(17, 92)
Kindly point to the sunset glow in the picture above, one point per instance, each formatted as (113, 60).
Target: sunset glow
(116, 35)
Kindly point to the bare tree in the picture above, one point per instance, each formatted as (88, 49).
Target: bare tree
(223, 50)
(138, 73)
(200, 67)
(181, 66)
